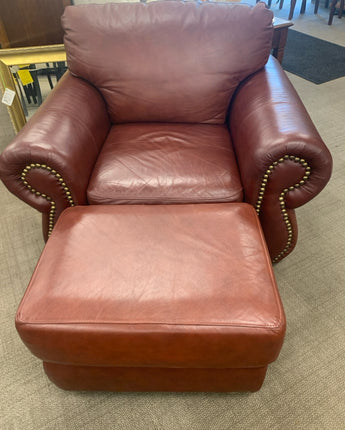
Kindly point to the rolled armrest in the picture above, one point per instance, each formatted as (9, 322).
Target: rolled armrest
(49, 162)
(283, 161)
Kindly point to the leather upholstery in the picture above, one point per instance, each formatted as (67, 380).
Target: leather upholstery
(176, 286)
(168, 61)
(268, 122)
(166, 163)
(94, 131)
(154, 378)
(66, 134)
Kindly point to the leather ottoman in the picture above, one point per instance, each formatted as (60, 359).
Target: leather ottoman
(164, 298)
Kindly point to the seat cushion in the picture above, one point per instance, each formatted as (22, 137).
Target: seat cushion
(187, 286)
(166, 163)
(167, 61)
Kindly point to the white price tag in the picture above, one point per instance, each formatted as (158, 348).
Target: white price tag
(8, 97)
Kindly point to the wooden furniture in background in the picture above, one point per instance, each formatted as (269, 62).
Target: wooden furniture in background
(18, 56)
(334, 5)
(33, 23)
(281, 27)
(292, 7)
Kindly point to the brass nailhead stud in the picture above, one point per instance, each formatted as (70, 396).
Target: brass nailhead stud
(48, 198)
(282, 196)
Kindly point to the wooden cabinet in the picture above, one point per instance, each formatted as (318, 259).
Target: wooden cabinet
(31, 23)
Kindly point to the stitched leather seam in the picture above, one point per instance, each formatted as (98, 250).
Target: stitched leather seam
(282, 195)
(162, 323)
(227, 199)
(61, 182)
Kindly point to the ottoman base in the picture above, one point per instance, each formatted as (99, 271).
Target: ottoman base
(154, 379)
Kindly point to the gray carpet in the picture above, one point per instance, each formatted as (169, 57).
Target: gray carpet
(304, 388)
(313, 59)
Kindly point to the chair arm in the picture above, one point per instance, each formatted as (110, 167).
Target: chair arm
(49, 162)
(282, 159)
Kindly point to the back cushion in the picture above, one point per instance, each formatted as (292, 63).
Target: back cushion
(167, 61)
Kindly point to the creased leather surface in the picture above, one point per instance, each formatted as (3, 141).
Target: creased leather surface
(167, 61)
(268, 121)
(169, 286)
(166, 163)
(267, 118)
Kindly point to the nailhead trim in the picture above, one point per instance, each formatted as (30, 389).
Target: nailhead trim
(61, 182)
(264, 182)
(282, 197)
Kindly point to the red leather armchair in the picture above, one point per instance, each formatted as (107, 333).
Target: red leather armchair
(170, 103)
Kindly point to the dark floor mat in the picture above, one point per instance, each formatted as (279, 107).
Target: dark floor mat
(313, 59)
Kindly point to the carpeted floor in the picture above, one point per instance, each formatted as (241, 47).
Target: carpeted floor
(313, 59)
(304, 388)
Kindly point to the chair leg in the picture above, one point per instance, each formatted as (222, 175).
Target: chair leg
(304, 2)
(341, 9)
(292, 8)
(32, 92)
(281, 4)
(37, 87)
(316, 7)
(331, 12)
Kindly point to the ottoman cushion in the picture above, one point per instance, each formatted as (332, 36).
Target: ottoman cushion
(187, 286)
